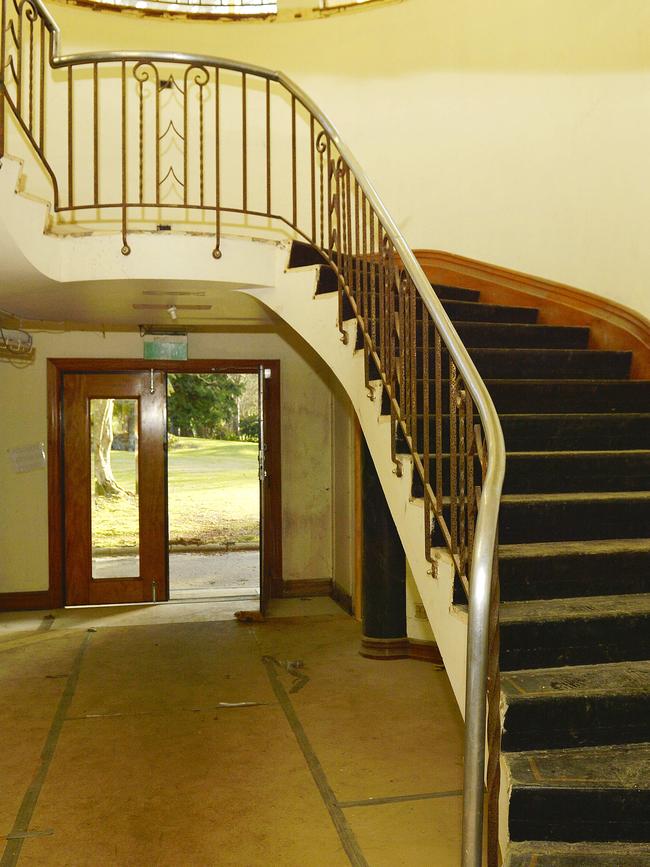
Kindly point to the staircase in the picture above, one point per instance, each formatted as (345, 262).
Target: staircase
(574, 564)
(575, 515)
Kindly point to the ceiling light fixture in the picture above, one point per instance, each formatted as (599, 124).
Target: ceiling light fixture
(172, 311)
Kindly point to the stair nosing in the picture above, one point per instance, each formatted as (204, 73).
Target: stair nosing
(570, 608)
(562, 548)
(513, 696)
(639, 752)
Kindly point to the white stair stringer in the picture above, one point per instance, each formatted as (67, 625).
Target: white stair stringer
(31, 258)
(314, 317)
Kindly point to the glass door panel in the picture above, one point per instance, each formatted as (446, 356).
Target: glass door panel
(114, 487)
(115, 509)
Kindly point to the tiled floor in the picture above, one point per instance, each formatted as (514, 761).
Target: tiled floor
(173, 735)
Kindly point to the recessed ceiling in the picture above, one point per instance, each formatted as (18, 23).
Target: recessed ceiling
(130, 302)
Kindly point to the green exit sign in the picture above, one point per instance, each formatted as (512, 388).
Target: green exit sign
(165, 346)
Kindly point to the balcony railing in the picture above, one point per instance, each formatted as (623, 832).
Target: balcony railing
(140, 139)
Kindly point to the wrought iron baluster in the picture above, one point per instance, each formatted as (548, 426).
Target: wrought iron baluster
(294, 170)
(426, 428)
(216, 252)
(268, 145)
(70, 140)
(95, 135)
(453, 457)
(337, 234)
(321, 147)
(462, 490)
(412, 343)
(41, 104)
(312, 175)
(357, 252)
(125, 247)
(31, 17)
(426, 322)
(244, 127)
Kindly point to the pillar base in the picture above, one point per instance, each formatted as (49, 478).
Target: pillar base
(384, 648)
(400, 648)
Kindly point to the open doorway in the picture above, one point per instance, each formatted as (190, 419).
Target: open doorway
(112, 453)
(213, 484)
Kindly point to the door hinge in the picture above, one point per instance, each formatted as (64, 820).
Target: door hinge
(154, 590)
(152, 387)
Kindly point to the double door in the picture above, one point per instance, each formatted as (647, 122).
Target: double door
(127, 495)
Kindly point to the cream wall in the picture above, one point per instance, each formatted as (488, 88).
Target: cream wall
(309, 452)
(508, 131)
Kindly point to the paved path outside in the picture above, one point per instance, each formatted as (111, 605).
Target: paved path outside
(216, 570)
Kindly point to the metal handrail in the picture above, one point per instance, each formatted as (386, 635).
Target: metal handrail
(482, 555)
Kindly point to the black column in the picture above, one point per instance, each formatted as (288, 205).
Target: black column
(384, 573)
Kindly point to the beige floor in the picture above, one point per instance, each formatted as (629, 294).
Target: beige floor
(186, 738)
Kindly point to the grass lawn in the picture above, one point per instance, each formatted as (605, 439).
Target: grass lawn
(213, 496)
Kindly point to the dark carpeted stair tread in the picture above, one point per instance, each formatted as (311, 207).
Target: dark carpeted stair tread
(581, 608)
(587, 793)
(548, 570)
(543, 853)
(519, 335)
(549, 708)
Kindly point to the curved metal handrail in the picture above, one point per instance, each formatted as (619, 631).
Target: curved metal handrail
(486, 531)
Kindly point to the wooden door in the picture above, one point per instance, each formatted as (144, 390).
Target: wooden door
(115, 489)
(265, 588)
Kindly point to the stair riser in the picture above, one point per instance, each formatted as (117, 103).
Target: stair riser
(576, 721)
(574, 575)
(500, 336)
(365, 285)
(527, 364)
(555, 474)
(570, 521)
(516, 397)
(552, 643)
(461, 312)
(574, 815)
(533, 433)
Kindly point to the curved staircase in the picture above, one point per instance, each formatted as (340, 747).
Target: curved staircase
(574, 563)
(575, 513)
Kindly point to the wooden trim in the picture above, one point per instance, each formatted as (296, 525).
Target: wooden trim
(32, 600)
(425, 651)
(342, 598)
(613, 326)
(58, 367)
(401, 648)
(273, 511)
(303, 587)
(55, 484)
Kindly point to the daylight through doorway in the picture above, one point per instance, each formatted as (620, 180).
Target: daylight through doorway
(213, 485)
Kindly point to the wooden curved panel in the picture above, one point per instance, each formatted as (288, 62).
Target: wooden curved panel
(612, 325)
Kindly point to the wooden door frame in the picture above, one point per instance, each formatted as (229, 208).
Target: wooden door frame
(57, 368)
